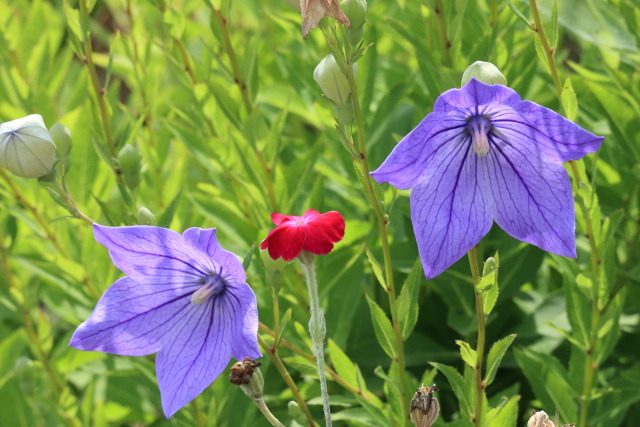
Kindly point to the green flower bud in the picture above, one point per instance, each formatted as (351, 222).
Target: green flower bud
(62, 138)
(356, 11)
(145, 217)
(26, 147)
(130, 162)
(296, 413)
(484, 72)
(332, 81)
(275, 269)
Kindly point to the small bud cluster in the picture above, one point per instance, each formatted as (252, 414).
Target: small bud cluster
(356, 11)
(424, 408)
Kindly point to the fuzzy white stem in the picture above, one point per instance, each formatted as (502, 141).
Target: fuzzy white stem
(317, 327)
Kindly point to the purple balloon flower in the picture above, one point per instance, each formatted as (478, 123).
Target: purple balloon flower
(483, 154)
(184, 297)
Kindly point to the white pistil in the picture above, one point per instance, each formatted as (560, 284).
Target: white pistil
(480, 137)
(214, 284)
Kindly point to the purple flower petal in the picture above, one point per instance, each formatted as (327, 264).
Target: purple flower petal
(484, 154)
(243, 298)
(133, 319)
(206, 241)
(198, 351)
(475, 94)
(407, 161)
(186, 300)
(451, 207)
(152, 254)
(532, 197)
(558, 138)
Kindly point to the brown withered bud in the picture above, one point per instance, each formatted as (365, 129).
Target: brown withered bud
(424, 409)
(540, 419)
(241, 372)
(314, 10)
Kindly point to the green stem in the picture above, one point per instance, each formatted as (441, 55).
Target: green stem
(382, 221)
(442, 29)
(494, 12)
(48, 232)
(267, 413)
(475, 275)
(548, 50)
(62, 189)
(317, 327)
(231, 53)
(287, 379)
(276, 319)
(337, 378)
(248, 105)
(386, 248)
(590, 365)
(102, 106)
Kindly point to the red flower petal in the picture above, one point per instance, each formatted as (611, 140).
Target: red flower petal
(284, 241)
(313, 232)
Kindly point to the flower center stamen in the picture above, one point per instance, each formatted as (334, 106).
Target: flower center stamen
(213, 286)
(478, 127)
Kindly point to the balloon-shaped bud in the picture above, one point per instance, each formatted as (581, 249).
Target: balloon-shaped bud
(62, 138)
(356, 11)
(332, 81)
(484, 72)
(130, 162)
(26, 147)
(146, 217)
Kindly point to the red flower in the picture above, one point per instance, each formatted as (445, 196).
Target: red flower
(313, 232)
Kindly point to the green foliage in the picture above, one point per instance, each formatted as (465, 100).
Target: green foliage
(229, 126)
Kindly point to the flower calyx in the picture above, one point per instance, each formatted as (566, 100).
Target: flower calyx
(424, 408)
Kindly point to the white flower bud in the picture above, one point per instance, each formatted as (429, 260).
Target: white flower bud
(332, 81)
(484, 72)
(26, 147)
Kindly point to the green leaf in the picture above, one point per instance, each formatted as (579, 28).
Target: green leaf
(488, 285)
(468, 354)
(519, 14)
(382, 328)
(496, 354)
(578, 311)
(569, 100)
(505, 415)
(246, 261)
(459, 388)
(73, 20)
(167, 216)
(407, 303)
(346, 143)
(343, 365)
(377, 269)
(549, 381)
(176, 22)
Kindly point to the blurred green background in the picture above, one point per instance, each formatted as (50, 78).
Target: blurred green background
(212, 159)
